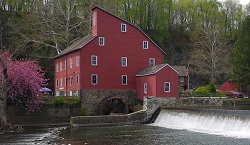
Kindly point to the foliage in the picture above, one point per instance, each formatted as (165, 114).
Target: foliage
(241, 55)
(25, 78)
(211, 88)
(59, 101)
(201, 91)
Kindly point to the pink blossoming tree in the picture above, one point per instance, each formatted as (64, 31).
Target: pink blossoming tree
(21, 81)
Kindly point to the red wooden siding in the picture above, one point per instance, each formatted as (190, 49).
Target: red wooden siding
(155, 83)
(229, 86)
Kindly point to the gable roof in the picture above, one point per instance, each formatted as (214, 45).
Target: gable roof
(183, 71)
(77, 45)
(153, 70)
(131, 25)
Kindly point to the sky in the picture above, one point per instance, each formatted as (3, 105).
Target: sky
(243, 2)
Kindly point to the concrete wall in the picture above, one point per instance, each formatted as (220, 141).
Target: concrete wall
(49, 115)
(91, 99)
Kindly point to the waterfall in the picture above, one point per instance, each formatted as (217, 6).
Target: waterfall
(231, 125)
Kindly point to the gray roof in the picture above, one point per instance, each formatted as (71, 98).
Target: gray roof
(77, 45)
(183, 71)
(153, 70)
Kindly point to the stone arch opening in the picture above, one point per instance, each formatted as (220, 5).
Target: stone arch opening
(112, 105)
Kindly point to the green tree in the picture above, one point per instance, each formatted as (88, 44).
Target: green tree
(241, 55)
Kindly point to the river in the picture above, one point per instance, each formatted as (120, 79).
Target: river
(172, 127)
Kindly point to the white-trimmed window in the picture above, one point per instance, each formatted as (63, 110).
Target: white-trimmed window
(124, 61)
(181, 79)
(94, 60)
(71, 63)
(77, 79)
(94, 18)
(101, 41)
(145, 44)
(167, 86)
(61, 82)
(94, 79)
(123, 27)
(151, 61)
(77, 61)
(61, 66)
(56, 67)
(65, 64)
(71, 80)
(124, 79)
(57, 83)
(145, 88)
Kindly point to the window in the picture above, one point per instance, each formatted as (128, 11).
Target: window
(57, 83)
(77, 79)
(77, 61)
(70, 63)
(94, 18)
(94, 79)
(181, 79)
(167, 86)
(94, 60)
(145, 44)
(65, 64)
(60, 66)
(123, 28)
(151, 62)
(124, 61)
(57, 67)
(71, 80)
(101, 41)
(145, 88)
(124, 79)
(61, 82)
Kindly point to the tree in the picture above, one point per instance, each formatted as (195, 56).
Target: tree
(21, 81)
(241, 55)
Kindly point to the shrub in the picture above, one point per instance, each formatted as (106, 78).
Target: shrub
(59, 100)
(201, 91)
(211, 88)
(76, 101)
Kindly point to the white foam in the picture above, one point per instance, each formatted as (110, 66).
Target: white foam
(226, 125)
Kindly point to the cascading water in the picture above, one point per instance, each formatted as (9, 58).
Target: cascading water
(226, 124)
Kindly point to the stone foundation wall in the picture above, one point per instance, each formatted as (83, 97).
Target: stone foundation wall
(91, 99)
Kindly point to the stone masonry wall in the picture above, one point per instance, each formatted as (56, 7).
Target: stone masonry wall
(91, 99)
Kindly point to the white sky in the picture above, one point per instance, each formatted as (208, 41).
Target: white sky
(243, 2)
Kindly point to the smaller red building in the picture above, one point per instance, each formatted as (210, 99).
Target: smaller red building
(229, 85)
(158, 80)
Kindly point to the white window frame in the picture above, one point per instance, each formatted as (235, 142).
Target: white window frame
(94, 60)
(94, 18)
(57, 83)
(124, 61)
(145, 44)
(65, 64)
(151, 61)
(92, 79)
(181, 79)
(145, 88)
(126, 79)
(123, 27)
(57, 67)
(60, 66)
(71, 63)
(77, 79)
(77, 61)
(165, 86)
(61, 82)
(101, 41)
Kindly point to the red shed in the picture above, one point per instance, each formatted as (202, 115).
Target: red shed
(229, 85)
(160, 81)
